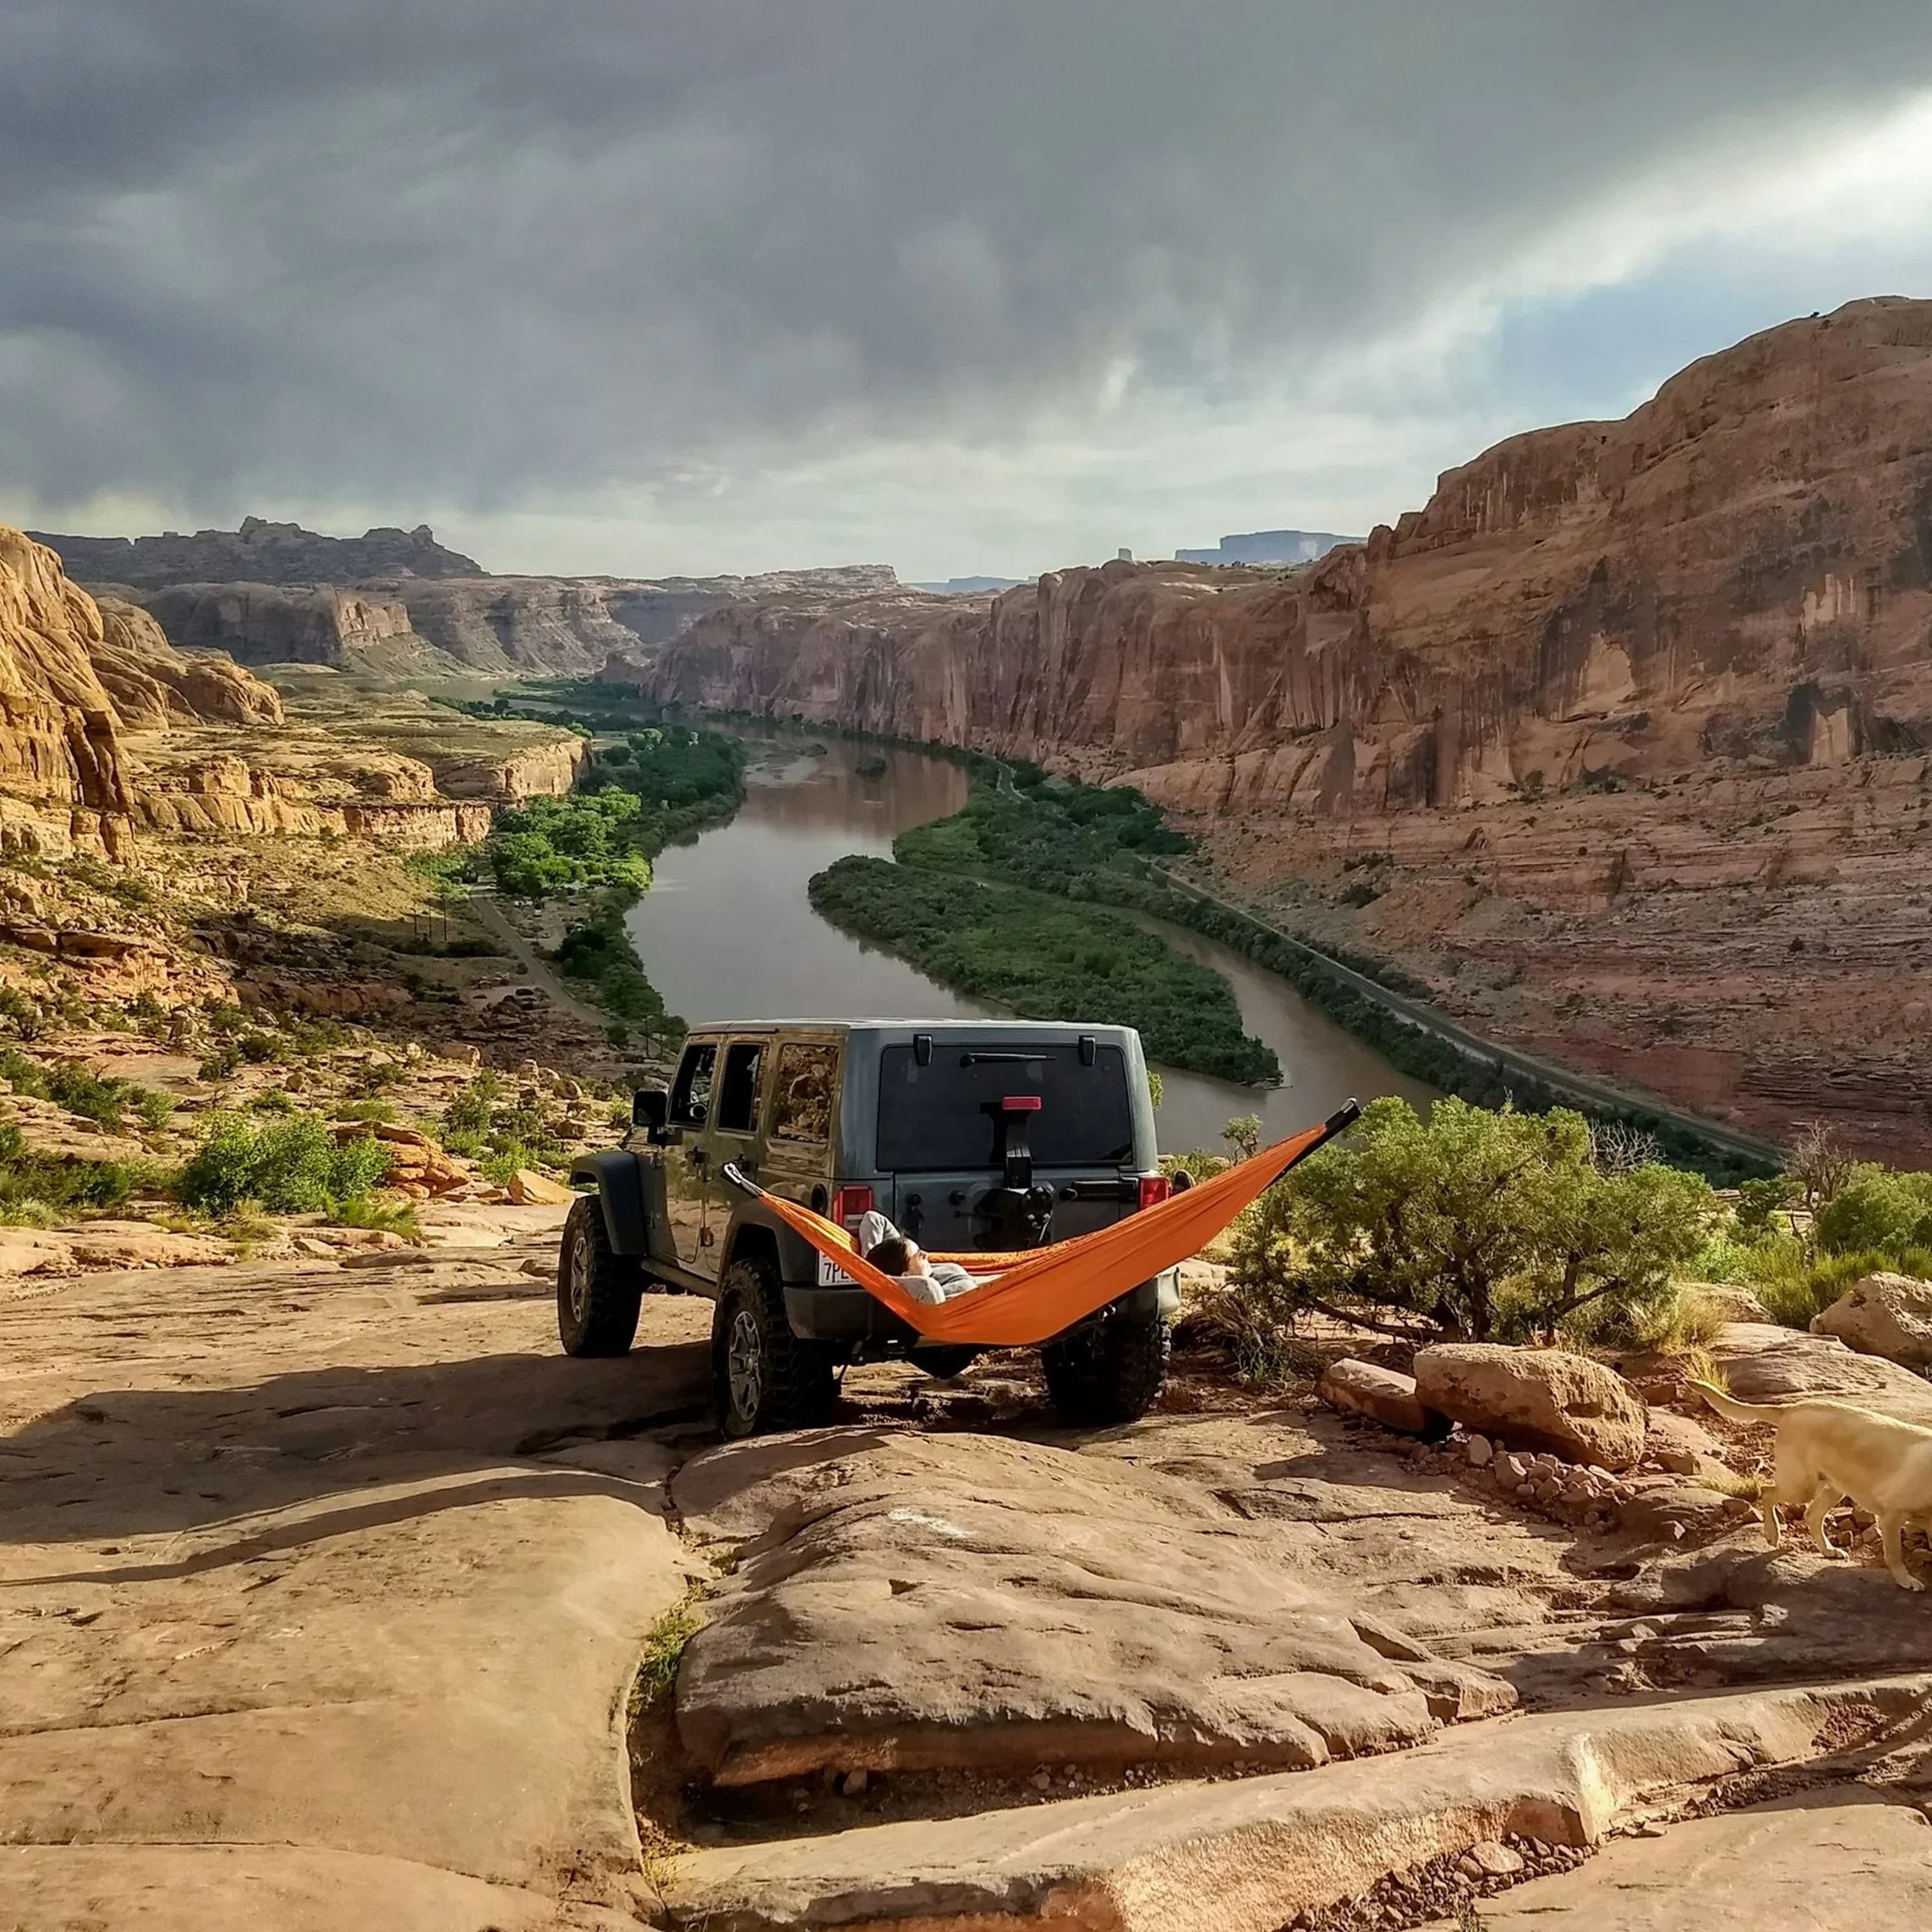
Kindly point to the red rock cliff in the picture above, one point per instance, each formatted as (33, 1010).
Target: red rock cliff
(1739, 569)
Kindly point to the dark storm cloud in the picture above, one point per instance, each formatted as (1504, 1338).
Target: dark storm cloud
(481, 252)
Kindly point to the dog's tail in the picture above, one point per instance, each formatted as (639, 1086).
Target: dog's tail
(1731, 1407)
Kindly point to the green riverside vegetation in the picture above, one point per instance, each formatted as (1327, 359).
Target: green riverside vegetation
(1104, 846)
(662, 783)
(1046, 961)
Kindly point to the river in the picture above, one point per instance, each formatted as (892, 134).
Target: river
(726, 932)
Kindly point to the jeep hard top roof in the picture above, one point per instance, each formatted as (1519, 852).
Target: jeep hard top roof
(1044, 1029)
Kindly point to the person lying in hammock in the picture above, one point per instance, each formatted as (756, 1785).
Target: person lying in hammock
(923, 1278)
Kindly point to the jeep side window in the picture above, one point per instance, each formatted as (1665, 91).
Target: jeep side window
(737, 1097)
(801, 1093)
(691, 1097)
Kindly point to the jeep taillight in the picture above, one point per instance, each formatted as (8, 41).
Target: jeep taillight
(850, 1206)
(1154, 1189)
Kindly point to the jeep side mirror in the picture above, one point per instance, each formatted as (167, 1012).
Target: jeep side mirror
(650, 1108)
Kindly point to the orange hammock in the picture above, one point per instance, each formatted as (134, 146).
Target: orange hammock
(1039, 1293)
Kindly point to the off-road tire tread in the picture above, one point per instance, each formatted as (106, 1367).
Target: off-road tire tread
(1109, 1372)
(617, 1287)
(801, 1385)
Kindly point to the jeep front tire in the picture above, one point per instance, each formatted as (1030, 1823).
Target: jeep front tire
(598, 1290)
(764, 1377)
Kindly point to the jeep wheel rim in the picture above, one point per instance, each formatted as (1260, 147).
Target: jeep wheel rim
(580, 1279)
(744, 1365)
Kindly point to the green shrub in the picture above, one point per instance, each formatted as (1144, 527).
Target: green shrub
(390, 1217)
(222, 1062)
(155, 1108)
(471, 1112)
(1759, 1202)
(294, 1165)
(93, 1098)
(1481, 1225)
(35, 1188)
(374, 1111)
(21, 1015)
(1877, 1211)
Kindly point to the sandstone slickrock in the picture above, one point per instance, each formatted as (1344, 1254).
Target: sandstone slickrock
(1632, 715)
(1537, 1398)
(965, 1600)
(272, 624)
(309, 1618)
(151, 683)
(1383, 1396)
(1885, 1314)
(1682, 1445)
(1249, 1855)
(1846, 1856)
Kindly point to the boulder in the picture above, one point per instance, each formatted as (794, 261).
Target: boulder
(1383, 1396)
(1726, 1301)
(1682, 1445)
(529, 1189)
(1886, 1315)
(1537, 1398)
(1762, 1362)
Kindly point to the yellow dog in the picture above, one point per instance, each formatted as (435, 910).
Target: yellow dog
(1827, 1451)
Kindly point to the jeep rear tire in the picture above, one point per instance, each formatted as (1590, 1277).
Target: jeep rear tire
(598, 1290)
(1108, 1371)
(764, 1377)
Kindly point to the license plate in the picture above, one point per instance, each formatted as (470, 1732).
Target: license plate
(832, 1275)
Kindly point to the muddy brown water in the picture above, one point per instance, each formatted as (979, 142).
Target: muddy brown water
(726, 932)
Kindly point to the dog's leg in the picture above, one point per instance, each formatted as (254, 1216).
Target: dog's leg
(1774, 1530)
(1891, 1529)
(1826, 1498)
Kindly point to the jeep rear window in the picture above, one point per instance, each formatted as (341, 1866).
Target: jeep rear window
(934, 1116)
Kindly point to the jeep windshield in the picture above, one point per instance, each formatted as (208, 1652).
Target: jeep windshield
(944, 1115)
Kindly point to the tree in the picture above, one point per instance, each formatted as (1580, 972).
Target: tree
(1818, 1164)
(1243, 1134)
(1472, 1224)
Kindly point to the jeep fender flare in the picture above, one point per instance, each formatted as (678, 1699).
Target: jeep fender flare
(755, 1230)
(620, 1190)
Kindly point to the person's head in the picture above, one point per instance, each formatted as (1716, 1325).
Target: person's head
(896, 1255)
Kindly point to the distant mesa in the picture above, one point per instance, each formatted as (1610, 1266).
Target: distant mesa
(972, 586)
(259, 552)
(1270, 546)
(397, 604)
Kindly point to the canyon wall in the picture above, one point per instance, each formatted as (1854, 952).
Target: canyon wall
(73, 678)
(396, 603)
(265, 623)
(1741, 569)
(1621, 741)
(106, 729)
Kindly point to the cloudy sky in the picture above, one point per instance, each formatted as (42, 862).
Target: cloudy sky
(959, 285)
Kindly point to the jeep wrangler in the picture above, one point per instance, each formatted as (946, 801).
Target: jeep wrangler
(967, 1134)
